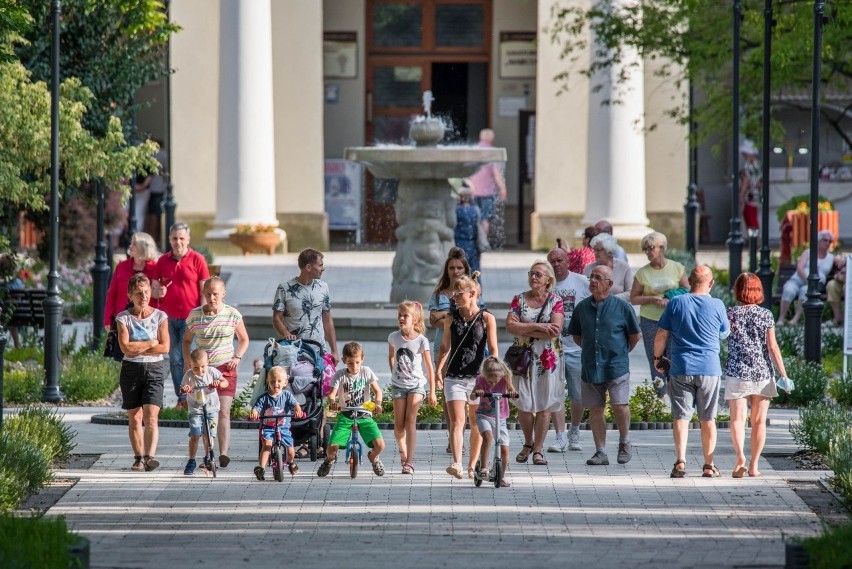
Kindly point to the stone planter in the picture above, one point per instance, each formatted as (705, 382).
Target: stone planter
(256, 242)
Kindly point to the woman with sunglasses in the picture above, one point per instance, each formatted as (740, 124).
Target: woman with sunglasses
(468, 331)
(653, 285)
(536, 319)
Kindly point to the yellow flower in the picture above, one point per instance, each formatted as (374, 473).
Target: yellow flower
(248, 229)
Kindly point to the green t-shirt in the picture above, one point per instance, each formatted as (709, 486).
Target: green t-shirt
(655, 282)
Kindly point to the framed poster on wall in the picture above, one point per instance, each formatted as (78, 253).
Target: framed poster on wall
(340, 55)
(518, 55)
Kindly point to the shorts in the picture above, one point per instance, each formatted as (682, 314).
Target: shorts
(403, 392)
(367, 428)
(195, 423)
(268, 434)
(231, 376)
(573, 372)
(486, 205)
(750, 216)
(155, 203)
(700, 392)
(142, 383)
(459, 390)
(736, 388)
(486, 423)
(594, 394)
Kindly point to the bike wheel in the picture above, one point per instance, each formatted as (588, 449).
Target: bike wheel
(477, 481)
(498, 472)
(326, 437)
(312, 446)
(213, 464)
(353, 465)
(278, 464)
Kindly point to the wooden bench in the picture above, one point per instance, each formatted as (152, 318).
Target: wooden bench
(28, 304)
(784, 273)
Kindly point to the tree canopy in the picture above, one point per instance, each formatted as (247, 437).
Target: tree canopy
(692, 41)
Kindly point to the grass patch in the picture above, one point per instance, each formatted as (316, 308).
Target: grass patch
(35, 542)
(830, 550)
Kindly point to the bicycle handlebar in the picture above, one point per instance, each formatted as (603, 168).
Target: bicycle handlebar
(500, 395)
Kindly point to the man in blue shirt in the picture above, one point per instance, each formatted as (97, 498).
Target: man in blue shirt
(696, 322)
(606, 329)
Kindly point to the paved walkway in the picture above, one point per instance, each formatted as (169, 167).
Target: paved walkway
(566, 513)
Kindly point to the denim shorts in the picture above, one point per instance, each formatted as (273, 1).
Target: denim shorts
(403, 393)
(487, 207)
(268, 434)
(195, 423)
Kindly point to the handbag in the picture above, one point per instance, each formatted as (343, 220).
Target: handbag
(482, 242)
(519, 357)
(111, 347)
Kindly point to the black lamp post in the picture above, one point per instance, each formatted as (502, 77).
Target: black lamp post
(169, 204)
(735, 237)
(691, 207)
(53, 302)
(813, 305)
(765, 272)
(100, 271)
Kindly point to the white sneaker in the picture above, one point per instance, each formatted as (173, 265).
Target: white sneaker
(558, 446)
(574, 440)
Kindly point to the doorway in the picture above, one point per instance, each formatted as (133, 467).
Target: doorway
(461, 98)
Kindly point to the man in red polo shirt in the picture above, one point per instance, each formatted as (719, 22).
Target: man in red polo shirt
(180, 276)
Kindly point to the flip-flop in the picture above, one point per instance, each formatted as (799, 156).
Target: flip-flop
(407, 468)
(455, 470)
(679, 472)
(739, 472)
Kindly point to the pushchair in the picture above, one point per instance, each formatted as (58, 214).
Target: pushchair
(305, 365)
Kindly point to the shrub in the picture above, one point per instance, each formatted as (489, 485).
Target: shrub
(840, 461)
(791, 340)
(24, 469)
(44, 427)
(683, 257)
(840, 389)
(645, 405)
(819, 423)
(25, 353)
(830, 550)
(23, 385)
(173, 414)
(34, 542)
(811, 381)
(89, 377)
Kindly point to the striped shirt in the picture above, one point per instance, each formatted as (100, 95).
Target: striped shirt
(215, 334)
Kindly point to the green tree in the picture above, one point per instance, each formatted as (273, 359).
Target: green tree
(113, 47)
(692, 39)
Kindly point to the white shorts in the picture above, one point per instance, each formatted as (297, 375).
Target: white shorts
(486, 423)
(736, 388)
(459, 390)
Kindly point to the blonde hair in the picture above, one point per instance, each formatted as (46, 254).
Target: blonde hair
(494, 368)
(276, 371)
(466, 282)
(146, 246)
(654, 239)
(198, 355)
(415, 309)
(548, 270)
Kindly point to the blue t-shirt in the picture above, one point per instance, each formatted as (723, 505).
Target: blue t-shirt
(283, 404)
(696, 323)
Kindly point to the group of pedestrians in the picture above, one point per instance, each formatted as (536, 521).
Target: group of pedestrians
(577, 332)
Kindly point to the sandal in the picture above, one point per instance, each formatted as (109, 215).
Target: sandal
(470, 472)
(137, 464)
(293, 468)
(303, 452)
(259, 473)
(504, 484)
(540, 461)
(455, 470)
(679, 472)
(407, 468)
(739, 472)
(150, 463)
(714, 472)
(524, 454)
(483, 474)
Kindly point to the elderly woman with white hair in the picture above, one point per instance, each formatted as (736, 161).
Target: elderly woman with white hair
(605, 247)
(797, 285)
(653, 286)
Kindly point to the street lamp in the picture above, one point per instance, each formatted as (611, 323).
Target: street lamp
(691, 207)
(813, 305)
(100, 271)
(765, 272)
(53, 302)
(169, 204)
(735, 237)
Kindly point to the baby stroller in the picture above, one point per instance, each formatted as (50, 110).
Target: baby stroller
(305, 365)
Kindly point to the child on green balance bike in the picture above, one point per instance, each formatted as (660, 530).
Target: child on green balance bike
(354, 383)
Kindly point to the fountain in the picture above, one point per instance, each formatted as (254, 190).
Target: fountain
(425, 206)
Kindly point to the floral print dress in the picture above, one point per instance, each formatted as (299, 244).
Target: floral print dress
(544, 387)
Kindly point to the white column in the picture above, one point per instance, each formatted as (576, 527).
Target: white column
(616, 162)
(246, 163)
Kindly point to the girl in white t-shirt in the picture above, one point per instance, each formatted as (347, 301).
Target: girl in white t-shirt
(411, 371)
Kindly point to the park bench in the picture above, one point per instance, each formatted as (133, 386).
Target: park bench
(28, 308)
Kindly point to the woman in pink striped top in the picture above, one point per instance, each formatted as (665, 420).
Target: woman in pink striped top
(214, 325)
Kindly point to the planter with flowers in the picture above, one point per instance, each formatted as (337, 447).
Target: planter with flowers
(256, 238)
(796, 214)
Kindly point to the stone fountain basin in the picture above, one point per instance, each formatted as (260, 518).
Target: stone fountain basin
(424, 163)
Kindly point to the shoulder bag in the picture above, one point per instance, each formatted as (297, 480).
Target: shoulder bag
(519, 356)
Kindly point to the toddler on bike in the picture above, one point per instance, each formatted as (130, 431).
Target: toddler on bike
(494, 377)
(276, 401)
(200, 382)
(354, 381)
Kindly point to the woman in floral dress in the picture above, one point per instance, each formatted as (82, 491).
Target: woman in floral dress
(536, 318)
